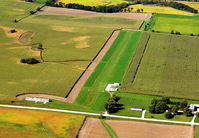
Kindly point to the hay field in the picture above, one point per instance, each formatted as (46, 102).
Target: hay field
(169, 67)
(94, 2)
(69, 42)
(158, 9)
(182, 24)
(21, 123)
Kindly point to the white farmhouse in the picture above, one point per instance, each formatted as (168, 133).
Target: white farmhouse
(194, 107)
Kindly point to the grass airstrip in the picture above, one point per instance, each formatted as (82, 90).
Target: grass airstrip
(29, 123)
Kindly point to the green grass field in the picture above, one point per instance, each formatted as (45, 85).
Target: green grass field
(167, 23)
(169, 67)
(70, 43)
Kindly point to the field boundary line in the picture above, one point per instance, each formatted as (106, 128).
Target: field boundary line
(144, 50)
(76, 88)
(96, 114)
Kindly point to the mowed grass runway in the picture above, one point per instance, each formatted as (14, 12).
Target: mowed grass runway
(111, 69)
(69, 42)
(169, 67)
(183, 24)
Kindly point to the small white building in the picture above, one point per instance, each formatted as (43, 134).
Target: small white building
(194, 107)
(111, 87)
(34, 99)
(137, 108)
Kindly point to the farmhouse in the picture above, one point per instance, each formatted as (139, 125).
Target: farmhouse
(43, 100)
(111, 87)
(194, 107)
(137, 108)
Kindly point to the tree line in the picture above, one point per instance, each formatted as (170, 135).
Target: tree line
(175, 5)
(104, 9)
(159, 106)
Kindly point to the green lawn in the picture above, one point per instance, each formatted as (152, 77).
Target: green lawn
(70, 43)
(182, 24)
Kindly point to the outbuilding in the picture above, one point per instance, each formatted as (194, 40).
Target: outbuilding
(137, 108)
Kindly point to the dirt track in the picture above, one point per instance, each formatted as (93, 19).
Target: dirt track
(93, 128)
(134, 129)
(75, 12)
(80, 83)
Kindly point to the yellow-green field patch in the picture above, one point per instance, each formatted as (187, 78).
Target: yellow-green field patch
(158, 9)
(39, 123)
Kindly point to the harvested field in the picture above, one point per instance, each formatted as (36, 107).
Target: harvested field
(133, 129)
(75, 12)
(93, 128)
(82, 80)
(169, 67)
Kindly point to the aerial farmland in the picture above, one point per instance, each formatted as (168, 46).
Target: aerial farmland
(97, 68)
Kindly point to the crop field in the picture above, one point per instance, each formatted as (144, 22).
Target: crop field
(183, 24)
(94, 2)
(68, 45)
(28, 123)
(158, 9)
(169, 67)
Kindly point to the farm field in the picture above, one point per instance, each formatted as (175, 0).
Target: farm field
(136, 129)
(28, 123)
(93, 128)
(167, 23)
(169, 67)
(94, 2)
(158, 9)
(68, 45)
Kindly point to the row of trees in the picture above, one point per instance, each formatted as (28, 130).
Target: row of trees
(104, 9)
(175, 5)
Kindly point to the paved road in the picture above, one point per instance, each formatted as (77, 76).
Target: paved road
(95, 114)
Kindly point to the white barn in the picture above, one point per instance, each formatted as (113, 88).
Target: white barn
(111, 87)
